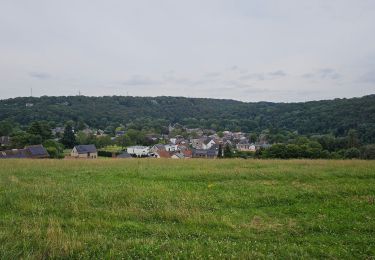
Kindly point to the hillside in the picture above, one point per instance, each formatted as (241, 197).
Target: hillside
(317, 117)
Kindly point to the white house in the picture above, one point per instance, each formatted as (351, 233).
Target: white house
(208, 143)
(170, 147)
(138, 151)
(245, 146)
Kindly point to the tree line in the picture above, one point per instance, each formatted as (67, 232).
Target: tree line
(285, 144)
(152, 114)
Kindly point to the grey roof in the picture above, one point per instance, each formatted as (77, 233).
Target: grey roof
(179, 155)
(37, 151)
(212, 152)
(244, 141)
(207, 140)
(13, 154)
(160, 146)
(87, 148)
(124, 155)
(201, 152)
(34, 151)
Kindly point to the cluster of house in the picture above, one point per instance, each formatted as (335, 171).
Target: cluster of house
(203, 145)
(178, 147)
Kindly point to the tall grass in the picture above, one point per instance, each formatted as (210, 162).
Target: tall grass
(187, 209)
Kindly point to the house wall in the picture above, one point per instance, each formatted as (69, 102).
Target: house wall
(137, 151)
(75, 154)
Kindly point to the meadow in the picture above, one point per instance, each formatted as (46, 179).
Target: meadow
(151, 208)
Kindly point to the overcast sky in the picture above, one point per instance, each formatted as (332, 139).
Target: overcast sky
(271, 50)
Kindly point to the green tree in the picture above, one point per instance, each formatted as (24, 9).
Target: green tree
(353, 138)
(6, 128)
(68, 139)
(368, 152)
(352, 153)
(122, 141)
(220, 151)
(228, 151)
(41, 129)
(55, 149)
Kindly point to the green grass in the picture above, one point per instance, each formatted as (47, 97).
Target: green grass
(187, 209)
(112, 148)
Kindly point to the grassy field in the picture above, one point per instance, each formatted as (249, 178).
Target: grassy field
(187, 209)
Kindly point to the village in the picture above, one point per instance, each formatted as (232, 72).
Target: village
(195, 143)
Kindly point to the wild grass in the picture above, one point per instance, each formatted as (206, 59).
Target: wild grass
(187, 209)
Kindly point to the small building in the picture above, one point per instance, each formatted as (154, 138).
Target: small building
(188, 153)
(84, 151)
(202, 153)
(29, 152)
(120, 133)
(138, 151)
(208, 143)
(36, 152)
(178, 156)
(170, 147)
(157, 147)
(245, 146)
(162, 154)
(124, 155)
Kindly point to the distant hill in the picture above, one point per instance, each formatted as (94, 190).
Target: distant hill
(316, 117)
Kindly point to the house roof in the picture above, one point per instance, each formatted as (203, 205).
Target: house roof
(124, 155)
(138, 147)
(199, 152)
(207, 141)
(179, 155)
(187, 153)
(36, 151)
(159, 146)
(244, 141)
(13, 154)
(164, 154)
(87, 148)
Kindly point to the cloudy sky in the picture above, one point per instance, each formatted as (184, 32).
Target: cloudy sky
(249, 50)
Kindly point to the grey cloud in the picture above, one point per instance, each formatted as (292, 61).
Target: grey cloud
(138, 80)
(253, 76)
(212, 75)
(243, 86)
(308, 76)
(328, 73)
(40, 75)
(322, 74)
(236, 68)
(264, 76)
(278, 73)
(368, 77)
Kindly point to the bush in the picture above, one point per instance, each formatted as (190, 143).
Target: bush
(104, 154)
(368, 152)
(352, 153)
(55, 149)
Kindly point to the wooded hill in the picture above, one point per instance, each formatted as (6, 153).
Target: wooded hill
(316, 117)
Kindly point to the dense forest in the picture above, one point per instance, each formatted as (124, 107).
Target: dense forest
(335, 117)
